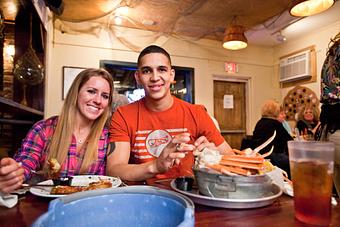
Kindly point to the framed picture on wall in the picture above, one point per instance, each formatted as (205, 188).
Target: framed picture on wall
(69, 74)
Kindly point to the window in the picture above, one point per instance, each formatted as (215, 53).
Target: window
(125, 83)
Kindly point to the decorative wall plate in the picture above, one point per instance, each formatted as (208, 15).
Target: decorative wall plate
(297, 98)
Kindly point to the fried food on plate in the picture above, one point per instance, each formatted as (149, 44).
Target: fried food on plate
(53, 168)
(62, 190)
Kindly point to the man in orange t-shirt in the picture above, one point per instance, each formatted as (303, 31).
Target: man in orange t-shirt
(155, 136)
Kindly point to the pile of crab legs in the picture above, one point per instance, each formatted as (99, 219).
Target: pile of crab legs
(246, 162)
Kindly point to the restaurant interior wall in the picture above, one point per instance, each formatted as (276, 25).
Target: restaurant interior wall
(205, 56)
(320, 38)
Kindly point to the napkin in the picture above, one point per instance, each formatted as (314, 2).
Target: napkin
(277, 177)
(8, 200)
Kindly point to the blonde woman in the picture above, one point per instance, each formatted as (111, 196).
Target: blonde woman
(265, 128)
(308, 121)
(77, 138)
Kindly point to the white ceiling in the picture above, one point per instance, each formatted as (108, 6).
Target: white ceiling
(312, 23)
(293, 27)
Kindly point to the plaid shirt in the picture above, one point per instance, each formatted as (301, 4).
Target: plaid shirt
(33, 153)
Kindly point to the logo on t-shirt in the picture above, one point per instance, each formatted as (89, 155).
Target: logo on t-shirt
(156, 141)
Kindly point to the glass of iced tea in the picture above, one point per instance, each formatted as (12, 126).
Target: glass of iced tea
(337, 172)
(336, 177)
(311, 166)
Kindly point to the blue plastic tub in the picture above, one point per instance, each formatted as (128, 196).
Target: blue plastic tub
(127, 206)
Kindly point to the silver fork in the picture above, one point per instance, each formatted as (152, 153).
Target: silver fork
(39, 172)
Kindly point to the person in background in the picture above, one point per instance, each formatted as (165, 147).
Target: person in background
(282, 118)
(154, 137)
(78, 138)
(212, 118)
(265, 128)
(118, 100)
(215, 122)
(308, 122)
(330, 99)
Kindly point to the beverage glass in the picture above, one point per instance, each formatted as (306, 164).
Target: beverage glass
(311, 167)
(337, 172)
(335, 138)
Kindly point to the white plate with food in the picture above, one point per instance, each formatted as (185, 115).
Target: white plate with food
(79, 183)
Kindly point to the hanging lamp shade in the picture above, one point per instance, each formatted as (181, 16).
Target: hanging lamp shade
(303, 8)
(234, 38)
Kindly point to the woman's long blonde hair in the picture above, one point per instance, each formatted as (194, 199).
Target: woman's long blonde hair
(61, 139)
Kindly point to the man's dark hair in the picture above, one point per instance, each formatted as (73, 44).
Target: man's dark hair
(153, 49)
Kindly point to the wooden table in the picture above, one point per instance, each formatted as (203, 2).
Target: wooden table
(280, 213)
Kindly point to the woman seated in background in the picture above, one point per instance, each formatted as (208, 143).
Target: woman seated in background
(308, 122)
(265, 128)
(282, 118)
(78, 138)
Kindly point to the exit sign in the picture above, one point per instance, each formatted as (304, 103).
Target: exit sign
(230, 67)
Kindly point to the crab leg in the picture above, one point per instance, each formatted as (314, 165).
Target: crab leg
(246, 152)
(268, 153)
(227, 169)
(238, 152)
(241, 164)
(240, 158)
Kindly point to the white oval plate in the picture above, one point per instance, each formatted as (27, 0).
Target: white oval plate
(198, 198)
(81, 180)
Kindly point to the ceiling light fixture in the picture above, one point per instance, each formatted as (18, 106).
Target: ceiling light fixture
(148, 22)
(118, 20)
(234, 38)
(280, 38)
(304, 8)
(9, 50)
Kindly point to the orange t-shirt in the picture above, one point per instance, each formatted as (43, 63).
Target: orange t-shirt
(149, 132)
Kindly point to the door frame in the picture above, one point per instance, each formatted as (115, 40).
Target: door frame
(243, 79)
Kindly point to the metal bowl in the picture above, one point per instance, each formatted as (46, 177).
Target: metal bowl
(213, 184)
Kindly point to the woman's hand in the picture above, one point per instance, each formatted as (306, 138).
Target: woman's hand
(174, 152)
(11, 175)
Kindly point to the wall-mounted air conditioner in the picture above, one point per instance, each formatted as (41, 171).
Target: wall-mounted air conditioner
(295, 67)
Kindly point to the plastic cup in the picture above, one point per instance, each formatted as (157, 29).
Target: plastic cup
(311, 166)
(337, 171)
(335, 138)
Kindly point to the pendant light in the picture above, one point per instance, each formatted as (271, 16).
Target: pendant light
(303, 8)
(28, 69)
(234, 38)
